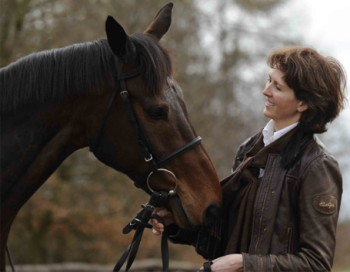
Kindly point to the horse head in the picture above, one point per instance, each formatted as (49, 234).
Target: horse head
(160, 120)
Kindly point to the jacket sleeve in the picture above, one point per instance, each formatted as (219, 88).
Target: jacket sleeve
(319, 202)
(181, 236)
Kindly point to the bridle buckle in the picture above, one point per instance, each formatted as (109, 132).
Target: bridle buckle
(149, 158)
(123, 92)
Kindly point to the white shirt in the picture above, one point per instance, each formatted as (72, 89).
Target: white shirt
(270, 135)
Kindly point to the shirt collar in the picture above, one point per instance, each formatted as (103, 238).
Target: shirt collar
(270, 135)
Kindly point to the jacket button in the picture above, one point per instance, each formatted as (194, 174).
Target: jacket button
(265, 229)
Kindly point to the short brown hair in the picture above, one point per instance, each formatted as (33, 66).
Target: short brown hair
(317, 80)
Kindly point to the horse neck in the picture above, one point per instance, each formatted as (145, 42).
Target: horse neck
(38, 137)
(30, 151)
(35, 143)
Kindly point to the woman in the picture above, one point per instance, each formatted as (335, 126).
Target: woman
(282, 201)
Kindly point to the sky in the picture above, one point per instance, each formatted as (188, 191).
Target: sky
(325, 26)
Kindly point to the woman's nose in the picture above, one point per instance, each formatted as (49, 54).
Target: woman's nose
(266, 90)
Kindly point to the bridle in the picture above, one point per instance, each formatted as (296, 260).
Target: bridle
(154, 162)
(157, 198)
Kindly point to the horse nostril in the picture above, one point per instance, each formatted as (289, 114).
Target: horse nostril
(211, 214)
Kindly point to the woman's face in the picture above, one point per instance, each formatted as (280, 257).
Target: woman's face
(281, 104)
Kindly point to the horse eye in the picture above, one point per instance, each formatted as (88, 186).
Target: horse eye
(157, 113)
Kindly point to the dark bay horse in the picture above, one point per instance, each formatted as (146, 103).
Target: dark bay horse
(55, 102)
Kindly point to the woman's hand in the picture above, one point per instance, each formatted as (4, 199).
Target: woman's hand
(167, 216)
(227, 263)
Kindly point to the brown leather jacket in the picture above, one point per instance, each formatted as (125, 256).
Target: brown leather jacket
(294, 216)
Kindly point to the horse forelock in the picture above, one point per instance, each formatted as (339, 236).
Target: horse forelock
(154, 62)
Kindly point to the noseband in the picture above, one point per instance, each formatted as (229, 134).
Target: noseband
(157, 199)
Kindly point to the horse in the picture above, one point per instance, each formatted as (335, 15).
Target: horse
(116, 96)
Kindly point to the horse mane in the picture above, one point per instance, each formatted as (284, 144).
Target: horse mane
(57, 74)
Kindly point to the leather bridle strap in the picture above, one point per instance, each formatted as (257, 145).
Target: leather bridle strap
(142, 140)
(139, 223)
(207, 266)
(196, 141)
(140, 134)
(121, 77)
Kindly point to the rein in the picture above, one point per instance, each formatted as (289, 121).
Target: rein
(139, 223)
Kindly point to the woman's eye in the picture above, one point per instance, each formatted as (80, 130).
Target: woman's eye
(158, 113)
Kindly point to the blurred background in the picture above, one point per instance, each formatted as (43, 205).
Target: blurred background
(219, 51)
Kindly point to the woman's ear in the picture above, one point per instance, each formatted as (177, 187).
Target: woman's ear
(302, 106)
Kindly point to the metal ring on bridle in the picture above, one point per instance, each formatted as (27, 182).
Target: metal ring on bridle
(171, 192)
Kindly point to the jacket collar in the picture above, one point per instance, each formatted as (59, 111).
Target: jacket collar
(260, 153)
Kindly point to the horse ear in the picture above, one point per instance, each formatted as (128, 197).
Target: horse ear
(161, 22)
(117, 38)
